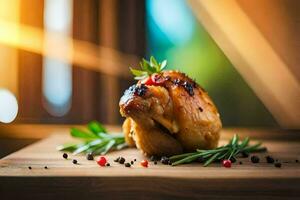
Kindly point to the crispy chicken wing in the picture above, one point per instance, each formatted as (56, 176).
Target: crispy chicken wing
(168, 115)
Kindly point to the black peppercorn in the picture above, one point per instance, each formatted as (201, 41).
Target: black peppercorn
(65, 156)
(200, 160)
(127, 165)
(189, 88)
(201, 109)
(153, 158)
(117, 159)
(269, 159)
(134, 160)
(107, 164)
(155, 162)
(177, 81)
(164, 160)
(131, 162)
(74, 161)
(45, 167)
(241, 162)
(122, 160)
(278, 165)
(141, 90)
(254, 159)
(29, 167)
(245, 154)
(89, 156)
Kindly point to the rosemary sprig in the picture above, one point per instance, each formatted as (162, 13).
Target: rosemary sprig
(148, 68)
(95, 140)
(229, 151)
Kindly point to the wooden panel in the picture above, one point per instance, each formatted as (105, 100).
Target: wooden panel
(108, 30)
(8, 56)
(64, 179)
(9, 69)
(30, 67)
(132, 34)
(30, 87)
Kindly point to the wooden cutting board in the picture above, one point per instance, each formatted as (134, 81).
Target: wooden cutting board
(63, 179)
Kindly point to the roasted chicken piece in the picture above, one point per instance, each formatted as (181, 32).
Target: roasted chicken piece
(167, 114)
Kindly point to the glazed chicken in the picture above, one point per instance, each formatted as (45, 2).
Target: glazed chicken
(167, 114)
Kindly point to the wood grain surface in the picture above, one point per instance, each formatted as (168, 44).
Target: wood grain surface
(63, 179)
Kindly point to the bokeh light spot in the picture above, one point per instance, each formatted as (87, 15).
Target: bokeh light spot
(8, 106)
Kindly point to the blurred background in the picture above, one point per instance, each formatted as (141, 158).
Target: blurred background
(66, 61)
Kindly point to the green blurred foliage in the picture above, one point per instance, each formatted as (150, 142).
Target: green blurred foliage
(201, 59)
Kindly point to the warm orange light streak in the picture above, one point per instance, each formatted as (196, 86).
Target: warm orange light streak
(82, 53)
(252, 55)
(9, 56)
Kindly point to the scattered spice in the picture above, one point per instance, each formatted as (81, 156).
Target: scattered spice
(201, 109)
(245, 154)
(177, 81)
(127, 165)
(241, 162)
(226, 163)
(107, 164)
(296, 160)
(144, 163)
(189, 88)
(74, 161)
(269, 159)
(117, 159)
(254, 159)
(101, 161)
(140, 90)
(168, 78)
(131, 162)
(45, 167)
(164, 160)
(200, 160)
(89, 156)
(154, 158)
(134, 160)
(122, 160)
(277, 164)
(65, 156)
(155, 162)
(29, 167)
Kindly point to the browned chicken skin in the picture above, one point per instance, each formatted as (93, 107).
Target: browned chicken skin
(170, 117)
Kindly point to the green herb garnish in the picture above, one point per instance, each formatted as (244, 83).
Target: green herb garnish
(148, 68)
(96, 140)
(226, 152)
